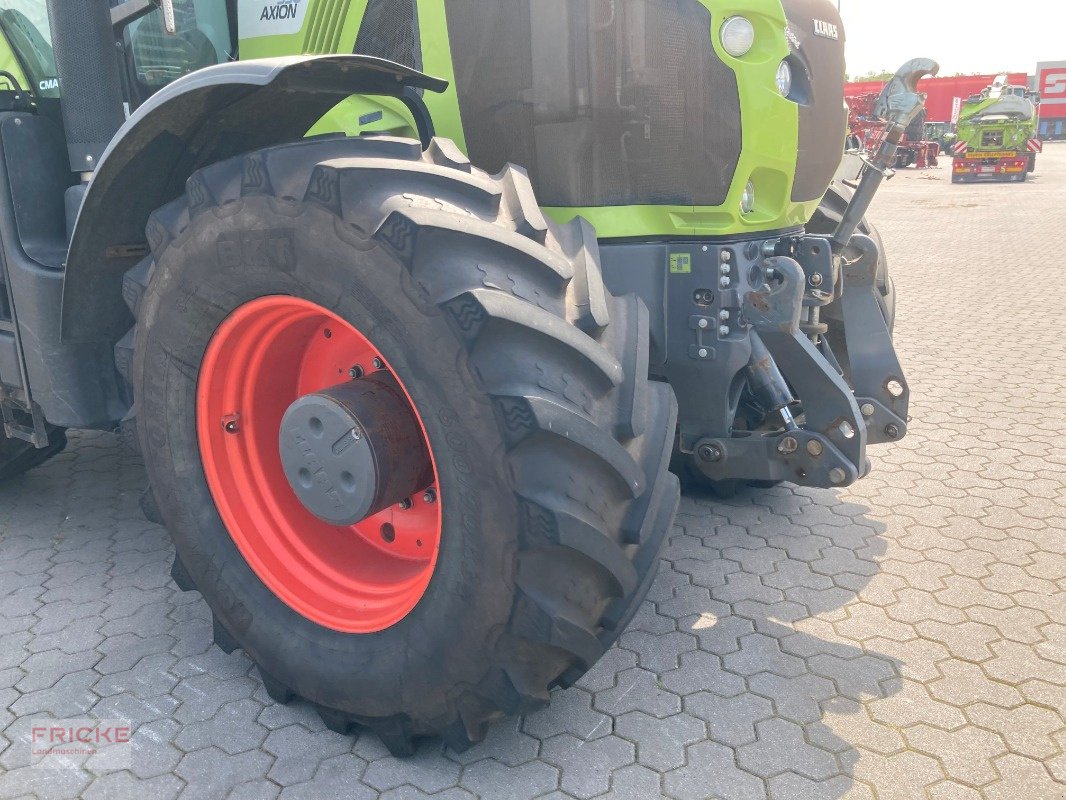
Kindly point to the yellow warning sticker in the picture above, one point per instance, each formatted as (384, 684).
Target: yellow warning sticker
(681, 263)
(995, 154)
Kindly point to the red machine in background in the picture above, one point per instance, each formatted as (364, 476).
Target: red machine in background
(864, 126)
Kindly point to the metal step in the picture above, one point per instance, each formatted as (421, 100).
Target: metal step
(23, 423)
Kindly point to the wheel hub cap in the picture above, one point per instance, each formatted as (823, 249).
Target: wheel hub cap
(353, 450)
(356, 549)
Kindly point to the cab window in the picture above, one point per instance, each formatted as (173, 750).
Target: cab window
(28, 52)
(156, 58)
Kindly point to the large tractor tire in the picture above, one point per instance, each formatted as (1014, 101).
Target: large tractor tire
(432, 354)
(18, 456)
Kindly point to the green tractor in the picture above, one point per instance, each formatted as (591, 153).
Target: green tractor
(997, 135)
(395, 299)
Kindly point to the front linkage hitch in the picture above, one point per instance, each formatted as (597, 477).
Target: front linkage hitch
(830, 401)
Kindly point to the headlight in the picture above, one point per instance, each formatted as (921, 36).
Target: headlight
(784, 79)
(738, 36)
(747, 200)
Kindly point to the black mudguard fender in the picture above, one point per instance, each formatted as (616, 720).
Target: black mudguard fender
(205, 117)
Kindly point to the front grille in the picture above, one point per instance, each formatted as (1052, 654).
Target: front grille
(605, 103)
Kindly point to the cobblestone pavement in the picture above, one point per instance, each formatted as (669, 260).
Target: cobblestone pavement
(905, 638)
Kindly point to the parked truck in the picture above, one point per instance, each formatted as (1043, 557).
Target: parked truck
(997, 135)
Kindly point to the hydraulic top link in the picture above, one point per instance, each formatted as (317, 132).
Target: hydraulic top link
(899, 104)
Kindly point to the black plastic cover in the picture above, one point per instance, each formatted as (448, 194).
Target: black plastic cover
(390, 30)
(605, 102)
(84, 49)
(817, 37)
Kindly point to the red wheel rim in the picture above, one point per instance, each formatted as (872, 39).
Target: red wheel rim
(355, 579)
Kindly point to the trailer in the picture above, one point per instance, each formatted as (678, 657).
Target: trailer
(915, 149)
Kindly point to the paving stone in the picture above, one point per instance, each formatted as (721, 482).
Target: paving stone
(761, 653)
(210, 773)
(122, 652)
(203, 695)
(966, 755)
(1023, 777)
(658, 653)
(124, 786)
(154, 752)
(260, 789)
(702, 671)
(637, 689)
(505, 743)
(661, 743)
(569, 712)
(634, 782)
(712, 772)
(414, 793)
(44, 669)
(490, 780)
(1027, 729)
(298, 751)
(337, 778)
(427, 770)
(585, 767)
(730, 720)
(43, 784)
(233, 729)
(781, 747)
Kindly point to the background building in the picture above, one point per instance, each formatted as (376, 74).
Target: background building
(1051, 83)
(943, 91)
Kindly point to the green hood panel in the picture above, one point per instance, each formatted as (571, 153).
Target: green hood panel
(686, 195)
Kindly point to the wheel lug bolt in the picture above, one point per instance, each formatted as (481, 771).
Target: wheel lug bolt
(405, 504)
(378, 363)
(430, 496)
(355, 372)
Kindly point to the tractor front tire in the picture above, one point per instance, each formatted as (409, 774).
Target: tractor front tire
(551, 493)
(824, 223)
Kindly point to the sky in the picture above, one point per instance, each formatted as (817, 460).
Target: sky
(965, 36)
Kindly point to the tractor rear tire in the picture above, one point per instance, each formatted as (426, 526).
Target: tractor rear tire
(550, 446)
(18, 456)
